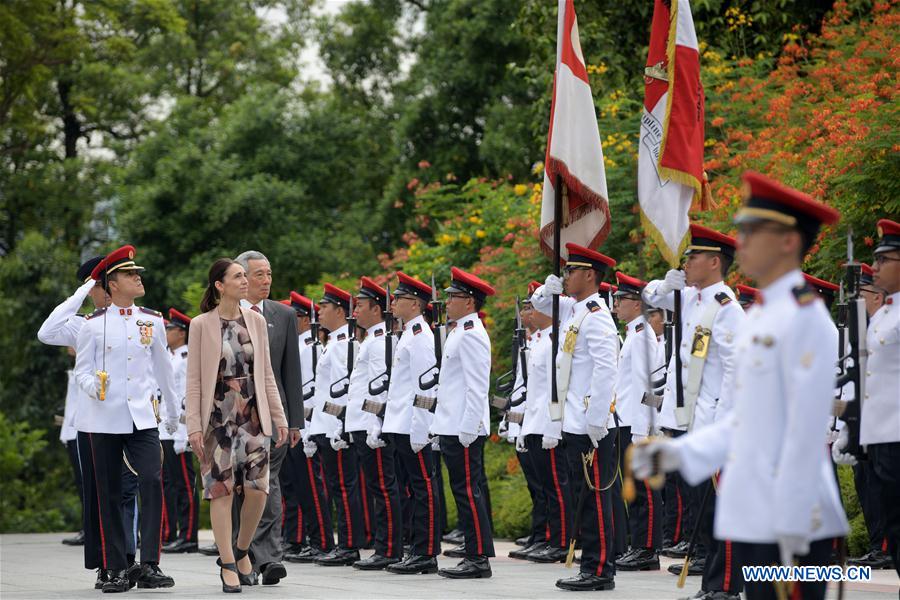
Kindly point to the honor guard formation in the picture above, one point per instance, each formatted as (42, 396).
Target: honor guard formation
(675, 417)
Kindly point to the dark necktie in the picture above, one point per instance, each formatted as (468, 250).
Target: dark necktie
(255, 308)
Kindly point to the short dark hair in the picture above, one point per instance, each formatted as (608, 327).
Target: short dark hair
(725, 263)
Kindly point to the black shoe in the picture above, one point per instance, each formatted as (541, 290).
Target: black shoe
(458, 552)
(75, 540)
(293, 548)
(700, 595)
(230, 589)
(151, 578)
(250, 578)
(307, 555)
(414, 565)
(469, 568)
(117, 582)
(679, 550)
(456, 536)
(876, 559)
(102, 577)
(211, 550)
(376, 562)
(694, 568)
(639, 559)
(522, 553)
(180, 546)
(339, 557)
(584, 582)
(272, 573)
(721, 596)
(133, 572)
(523, 541)
(549, 554)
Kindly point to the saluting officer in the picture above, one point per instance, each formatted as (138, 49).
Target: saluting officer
(377, 459)
(327, 430)
(710, 320)
(770, 447)
(586, 376)
(637, 360)
(304, 465)
(462, 419)
(179, 477)
(121, 361)
(407, 420)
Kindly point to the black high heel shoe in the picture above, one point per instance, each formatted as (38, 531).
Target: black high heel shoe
(229, 589)
(246, 578)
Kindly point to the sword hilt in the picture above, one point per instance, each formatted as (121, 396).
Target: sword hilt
(104, 377)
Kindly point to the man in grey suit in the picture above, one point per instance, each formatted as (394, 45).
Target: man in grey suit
(265, 549)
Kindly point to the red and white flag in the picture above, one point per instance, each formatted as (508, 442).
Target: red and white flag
(573, 148)
(670, 154)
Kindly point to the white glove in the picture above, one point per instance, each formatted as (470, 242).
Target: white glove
(520, 444)
(637, 438)
(435, 443)
(549, 442)
(373, 441)
(553, 285)
(597, 433)
(502, 428)
(416, 448)
(837, 449)
(336, 442)
(467, 438)
(171, 425)
(309, 448)
(663, 453)
(97, 384)
(675, 280)
(790, 546)
(181, 446)
(832, 436)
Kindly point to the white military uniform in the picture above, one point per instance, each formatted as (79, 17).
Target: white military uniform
(369, 364)
(593, 373)
(331, 367)
(67, 432)
(413, 356)
(307, 377)
(514, 430)
(718, 370)
(637, 359)
(880, 422)
(462, 398)
(771, 447)
(537, 402)
(138, 364)
(179, 371)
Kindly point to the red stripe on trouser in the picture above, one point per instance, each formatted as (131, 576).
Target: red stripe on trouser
(315, 495)
(559, 498)
(472, 502)
(299, 538)
(99, 511)
(364, 492)
(162, 512)
(344, 498)
(427, 479)
(649, 515)
(796, 592)
(164, 525)
(190, 492)
(884, 544)
(387, 503)
(726, 585)
(547, 532)
(677, 537)
(599, 513)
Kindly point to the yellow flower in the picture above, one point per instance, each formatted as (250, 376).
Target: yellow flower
(538, 168)
(480, 233)
(445, 239)
(475, 220)
(465, 239)
(520, 189)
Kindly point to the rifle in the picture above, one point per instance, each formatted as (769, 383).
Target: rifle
(505, 384)
(351, 347)
(314, 329)
(657, 385)
(853, 363)
(439, 327)
(384, 379)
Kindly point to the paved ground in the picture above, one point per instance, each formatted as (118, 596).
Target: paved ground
(38, 566)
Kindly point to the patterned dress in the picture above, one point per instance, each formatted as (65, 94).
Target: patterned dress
(235, 442)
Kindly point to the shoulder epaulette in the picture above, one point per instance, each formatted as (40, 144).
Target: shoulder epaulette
(723, 298)
(468, 325)
(184, 354)
(593, 306)
(81, 315)
(309, 341)
(341, 337)
(804, 294)
(417, 329)
(639, 328)
(379, 332)
(150, 311)
(96, 313)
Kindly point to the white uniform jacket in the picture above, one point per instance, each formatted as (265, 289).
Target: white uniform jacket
(880, 422)
(138, 363)
(462, 399)
(413, 356)
(593, 375)
(777, 478)
(718, 370)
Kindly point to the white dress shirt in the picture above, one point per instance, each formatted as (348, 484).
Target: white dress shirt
(332, 366)
(880, 421)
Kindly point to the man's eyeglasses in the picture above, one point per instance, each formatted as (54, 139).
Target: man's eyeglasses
(458, 296)
(880, 259)
(568, 270)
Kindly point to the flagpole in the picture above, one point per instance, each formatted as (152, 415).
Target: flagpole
(554, 338)
(679, 390)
